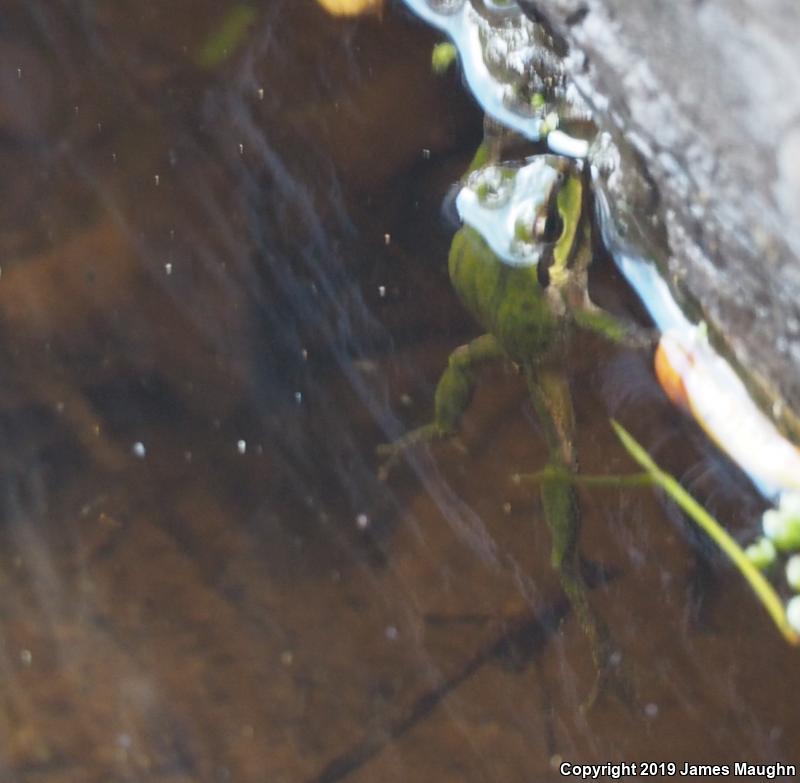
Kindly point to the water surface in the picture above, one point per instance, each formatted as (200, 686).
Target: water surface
(222, 286)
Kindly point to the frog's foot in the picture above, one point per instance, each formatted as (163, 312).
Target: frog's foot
(612, 676)
(453, 394)
(392, 453)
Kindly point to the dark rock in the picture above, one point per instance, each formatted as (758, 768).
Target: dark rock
(705, 96)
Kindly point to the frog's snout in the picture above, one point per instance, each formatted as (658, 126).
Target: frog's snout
(449, 210)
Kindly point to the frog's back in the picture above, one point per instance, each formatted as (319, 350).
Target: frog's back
(506, 300)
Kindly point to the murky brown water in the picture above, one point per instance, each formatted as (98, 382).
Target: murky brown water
(221, 288)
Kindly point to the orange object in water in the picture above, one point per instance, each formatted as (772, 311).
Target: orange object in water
(671, 378)
(351, 7)
(698, 379)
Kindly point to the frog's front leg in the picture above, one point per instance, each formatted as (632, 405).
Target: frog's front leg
(592, 318)
(453, 395)
(570, 275)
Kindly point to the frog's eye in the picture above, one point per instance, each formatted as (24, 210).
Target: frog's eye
(547, 227)
(540, 227)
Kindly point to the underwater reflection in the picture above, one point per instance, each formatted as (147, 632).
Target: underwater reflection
(223, 284)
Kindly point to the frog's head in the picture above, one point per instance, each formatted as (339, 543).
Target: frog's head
(528, 214)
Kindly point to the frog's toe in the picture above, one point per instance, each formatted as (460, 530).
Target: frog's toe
(458, 444)
(613, 679)
(391, 453)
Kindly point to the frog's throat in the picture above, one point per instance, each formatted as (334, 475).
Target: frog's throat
(569, 203)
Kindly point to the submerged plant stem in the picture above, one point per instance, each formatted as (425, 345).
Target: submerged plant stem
(554, 474)
(762, 588)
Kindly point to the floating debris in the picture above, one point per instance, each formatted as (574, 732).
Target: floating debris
(793, 572)
(443, 56)
(793, 613)
(762, 553)
(351, 7)
(782, 524)
(228, 37)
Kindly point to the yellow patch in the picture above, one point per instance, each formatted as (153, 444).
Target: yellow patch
(351, 7)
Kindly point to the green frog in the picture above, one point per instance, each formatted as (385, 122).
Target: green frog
(520, 266)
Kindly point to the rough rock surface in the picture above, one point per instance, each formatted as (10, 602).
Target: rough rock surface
(706, 95)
